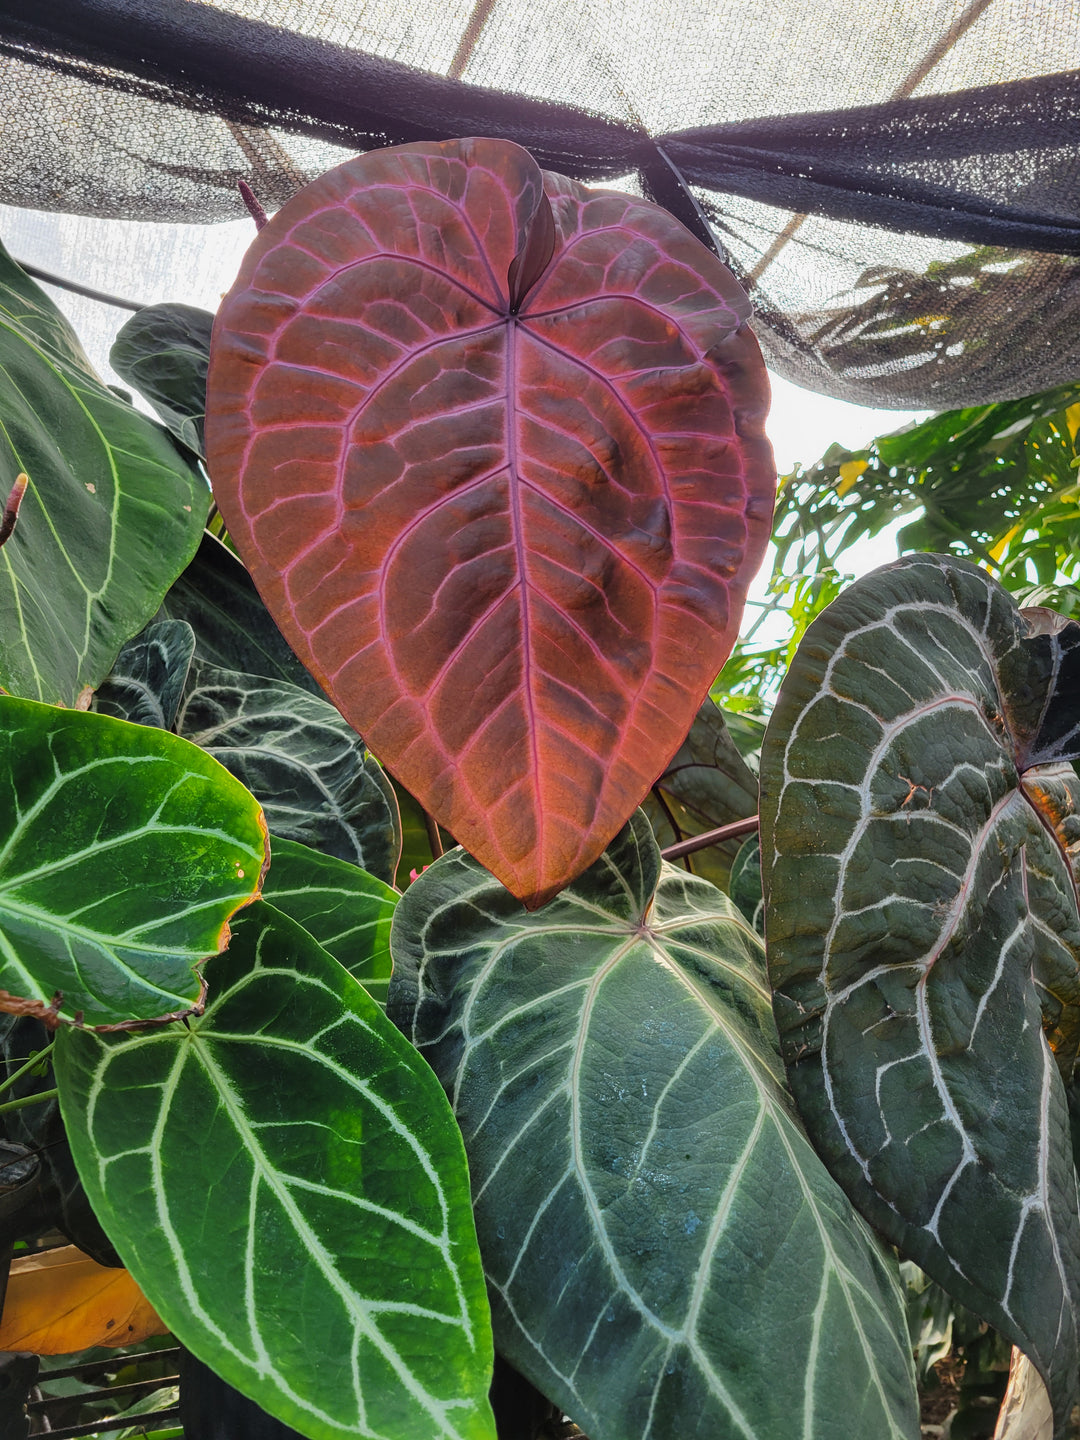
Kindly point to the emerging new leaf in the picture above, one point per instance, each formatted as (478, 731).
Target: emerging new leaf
(924, 936)
(491, 445)
(656, 1230)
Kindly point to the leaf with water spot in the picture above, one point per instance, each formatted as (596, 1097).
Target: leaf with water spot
(655, 1228)
(924, 937)
(285, 1181)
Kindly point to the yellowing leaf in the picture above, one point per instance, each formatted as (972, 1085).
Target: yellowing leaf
(1072, 420)
(62, 1301)
(849, 473)
(997, 551)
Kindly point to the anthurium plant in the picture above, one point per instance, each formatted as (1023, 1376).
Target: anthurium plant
(486, 448)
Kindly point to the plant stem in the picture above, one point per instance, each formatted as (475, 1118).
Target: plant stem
(21, 1104)
(711, 837)
(31, 1064)
(434, 838)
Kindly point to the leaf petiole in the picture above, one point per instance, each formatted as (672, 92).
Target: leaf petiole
(35, 1062)
(39, 1099)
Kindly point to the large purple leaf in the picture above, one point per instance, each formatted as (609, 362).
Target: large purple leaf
(491, 445)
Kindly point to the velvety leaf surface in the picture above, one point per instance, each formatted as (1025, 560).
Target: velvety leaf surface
(307, 766)
(163, 351)
(287, 1184)
(344, 908)
(706, 784)
(233, 628)
(656, 1230)
(111, 515)
(123, 853)
(745, 888)
(491, 445)
(923, 935)
(148, 678)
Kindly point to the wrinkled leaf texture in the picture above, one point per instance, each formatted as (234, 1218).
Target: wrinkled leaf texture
(924, 937)
(124, 851)
(286, 1183)
(112, 514)
(491, 445)
(148, 678)
(667, 1256)
(311, 771)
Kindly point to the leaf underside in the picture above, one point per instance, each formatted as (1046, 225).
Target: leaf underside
(111, 515)
(924, 935)
(285, 1181)
(655, 1228)
(491, 445)
(124, 851)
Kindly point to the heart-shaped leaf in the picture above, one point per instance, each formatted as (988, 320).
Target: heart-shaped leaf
(706, 784)
(148, 678)
(491, 446)
(232, 626)
(123, 853)
(344, 908)
(286, 1182)
(110, 517)
(163, 351)
(655, 1228)
(308, 767)
(923, 935)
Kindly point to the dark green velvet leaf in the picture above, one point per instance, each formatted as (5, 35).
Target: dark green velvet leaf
(286, 1182)
(233, 628)
(344, 908)
(924, 937)
(148, 678)
(164, 351)
(745, 887)
(124, 852)
(111, 515)
(295, 753)
(666, 1255)
(706, 784)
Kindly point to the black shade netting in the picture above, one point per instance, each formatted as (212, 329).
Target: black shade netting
(896, 182)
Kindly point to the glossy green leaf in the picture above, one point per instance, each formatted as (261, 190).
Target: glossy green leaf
(924, 936)
(706, 784)
(164, 351)
(307, 765)
(287, 1184)
(123, 853)
(233, 628)
(344, 908)
(111, 516)
(656, 1230)
(148, 678)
